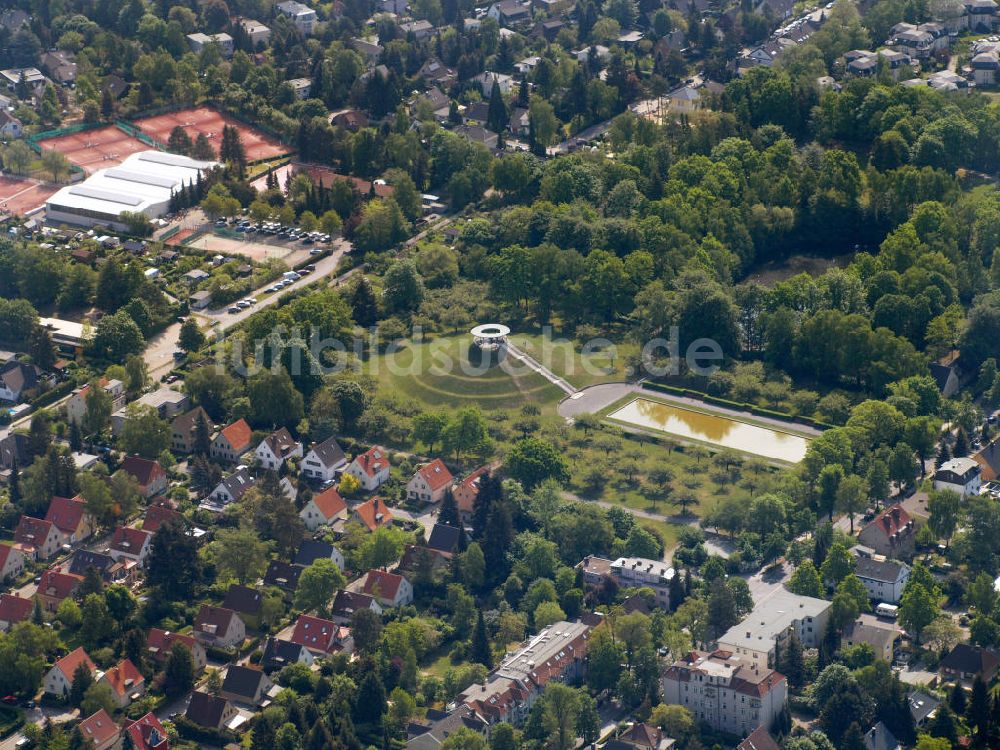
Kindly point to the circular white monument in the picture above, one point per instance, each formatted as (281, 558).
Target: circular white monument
(490, 336)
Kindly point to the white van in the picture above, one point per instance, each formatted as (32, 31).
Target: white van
(887, 610)
(290, 276)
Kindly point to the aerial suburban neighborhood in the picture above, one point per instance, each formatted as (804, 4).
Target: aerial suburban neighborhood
(532, 375)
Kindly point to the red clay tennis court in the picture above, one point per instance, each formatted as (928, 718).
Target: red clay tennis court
(258, 145)
(96, 148)
(18, 195)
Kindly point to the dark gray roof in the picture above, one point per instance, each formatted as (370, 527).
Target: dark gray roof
(238, 482)
(85, 559)
(346, 603)
(443, 538)
(444, 725)
(242, 681)
(243, 599)
(13, 447)
(922, 705)
(329, 452)
(971, 660)
(886, 571)
(283, 575)
(18, 376)
(206, 710)
(880, 738)
(312, 550)
(278, 654)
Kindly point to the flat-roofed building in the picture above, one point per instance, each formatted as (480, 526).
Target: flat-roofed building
(772, 622)
(640, 572)
(143, 183)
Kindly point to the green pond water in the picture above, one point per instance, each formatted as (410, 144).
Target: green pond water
(717, 430)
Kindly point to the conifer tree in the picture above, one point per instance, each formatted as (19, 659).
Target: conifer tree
(481, 650)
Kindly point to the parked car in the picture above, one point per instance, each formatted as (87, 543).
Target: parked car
(233, 309)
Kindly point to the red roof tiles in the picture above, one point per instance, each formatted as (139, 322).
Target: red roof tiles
(436, 474)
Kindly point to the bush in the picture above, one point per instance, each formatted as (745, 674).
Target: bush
(191, 731)
(10, 721)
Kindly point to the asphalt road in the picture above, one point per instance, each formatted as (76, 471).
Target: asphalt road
(160, 349)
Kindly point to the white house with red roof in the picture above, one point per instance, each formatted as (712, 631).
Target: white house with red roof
(372, 513)
(11, 562)
(430, 482)
(149, 475)
(218, 626)
(277, 448)
(323, 509)
(232, 442)
(59, 680)
(70, 516)
(14, 609)
(159, 644)
(321, 636)
(130, 544)
(147, 733)
(100, 730)
(126, 682)
(391, 589)
(371, 468)
(37, 538)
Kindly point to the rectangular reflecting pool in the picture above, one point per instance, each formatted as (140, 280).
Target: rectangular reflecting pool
(716, 430)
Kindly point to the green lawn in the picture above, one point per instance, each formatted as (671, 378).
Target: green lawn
(439, 373)
(566, 358)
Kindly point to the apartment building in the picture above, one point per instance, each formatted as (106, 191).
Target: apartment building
(772, 622)
(641, 572)
(725, 691)
(557, 653)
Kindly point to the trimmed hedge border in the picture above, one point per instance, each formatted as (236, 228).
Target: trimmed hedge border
(738, 405)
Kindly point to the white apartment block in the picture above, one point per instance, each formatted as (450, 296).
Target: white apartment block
(301, 15)
(772, 622)
(725, 691)
(641, 572)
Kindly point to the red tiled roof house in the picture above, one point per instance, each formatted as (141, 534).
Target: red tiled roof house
(323, 509)
(56, 586)
(232, 442)
(59, 680)
(126, 682)
(38, 539)
(391, 589)
(150, 476)
(429, 482)
(372, 514)
(371, 468)
(70, 516)
(159, 644)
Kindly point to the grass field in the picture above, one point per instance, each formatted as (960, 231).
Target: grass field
(567, 358)
(439, 373)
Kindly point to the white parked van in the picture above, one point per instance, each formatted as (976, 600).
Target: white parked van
(887, 610)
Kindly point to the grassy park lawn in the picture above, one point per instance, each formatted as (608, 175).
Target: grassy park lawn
(566, 357)
(437, 373)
